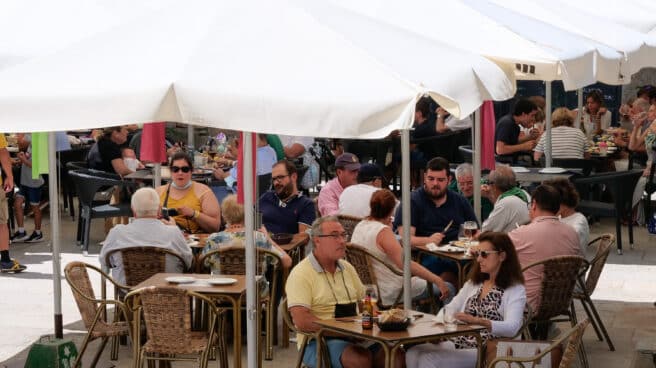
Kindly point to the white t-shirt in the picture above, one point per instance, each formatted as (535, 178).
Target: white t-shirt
(580, 224)
(454, 124)
(508, 212)
(354, 200)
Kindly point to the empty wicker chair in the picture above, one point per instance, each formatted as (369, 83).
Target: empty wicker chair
(167, 315)
(93, 310)
(348, 223)
(140, 263)
(573, 337)
(232, 260)
(603, 244)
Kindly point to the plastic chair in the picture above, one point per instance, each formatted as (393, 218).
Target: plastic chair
(88, 183)
(93, 310)
(574, 338)
(349, 223)
(620, 184)
(232, 261)
(583, 292)
(167, 315)
(561, 274)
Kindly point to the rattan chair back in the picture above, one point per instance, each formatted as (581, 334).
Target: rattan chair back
(307, 337)
(166, 311)
(572, 337)
(603, 243)
(560, 276)
(232, 260)
(363, 261)
(140, 263)
(348, 223)
(93, 310)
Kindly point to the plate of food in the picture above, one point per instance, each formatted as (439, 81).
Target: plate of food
(180, 279)
(393, 319)
(221, 281)
(463, 243)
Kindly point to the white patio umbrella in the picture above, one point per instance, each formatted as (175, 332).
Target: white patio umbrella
(256, 66)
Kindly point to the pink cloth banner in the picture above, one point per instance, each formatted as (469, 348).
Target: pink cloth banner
(487, 135)
(153, 148)
(240, 168)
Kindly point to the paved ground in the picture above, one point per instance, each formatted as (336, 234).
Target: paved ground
(624, 297)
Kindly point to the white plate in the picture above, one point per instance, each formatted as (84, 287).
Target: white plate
(553, 170)
(180, 279)
(519, 169)
(12, 149)
(221, 281)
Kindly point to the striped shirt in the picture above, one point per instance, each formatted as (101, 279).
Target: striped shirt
(566, 142)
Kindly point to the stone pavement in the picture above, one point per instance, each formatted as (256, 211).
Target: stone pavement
(624, 297)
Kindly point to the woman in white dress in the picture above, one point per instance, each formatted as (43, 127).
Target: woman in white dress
(595, 117)
(375, 234)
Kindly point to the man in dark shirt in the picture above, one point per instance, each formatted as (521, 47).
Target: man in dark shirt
(508, 140)
(284, 209)
(432, 208)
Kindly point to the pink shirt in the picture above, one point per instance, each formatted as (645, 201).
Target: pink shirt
(543, 238)
(329, 197)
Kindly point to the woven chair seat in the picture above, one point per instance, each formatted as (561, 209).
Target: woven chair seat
(110, 329)
(196, 346)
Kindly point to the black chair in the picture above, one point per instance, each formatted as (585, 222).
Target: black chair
(650, 189)
(70, 160)
(587, 166)
(467, 153)
(88, 182)
(620, 185)
(263, 184)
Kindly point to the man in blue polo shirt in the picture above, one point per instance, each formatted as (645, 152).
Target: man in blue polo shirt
(432, 207)
(284, 209)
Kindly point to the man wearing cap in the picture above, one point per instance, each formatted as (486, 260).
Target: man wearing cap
(347, 166)
(355, 199)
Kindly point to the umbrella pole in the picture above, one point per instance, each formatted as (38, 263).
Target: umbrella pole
(54, 229)
(405, 217)
(190, 136)
(251, 289)
(476, 161)
(547, 114)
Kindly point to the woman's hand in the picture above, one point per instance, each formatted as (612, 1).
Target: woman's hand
(467, 318)
(186, 211)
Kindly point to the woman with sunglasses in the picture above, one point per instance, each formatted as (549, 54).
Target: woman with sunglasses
(493, 297)
(197, 208)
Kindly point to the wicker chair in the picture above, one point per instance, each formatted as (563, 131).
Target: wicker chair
(363, 260)
(94, 311)
(307, 337)
(348, 223)
(573, 337)
(561, 274)
(582, 293)
(232, 260)
(166, 313)
(140, 263)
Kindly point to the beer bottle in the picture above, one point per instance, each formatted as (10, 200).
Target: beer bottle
(367, 314)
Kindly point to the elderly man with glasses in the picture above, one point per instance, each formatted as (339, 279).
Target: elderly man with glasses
(323, 286)
(464, 184)
(510, 202)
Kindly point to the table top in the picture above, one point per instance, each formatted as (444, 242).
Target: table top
(421, 327)
(456, 256)
(199, 286)
(535, 176)
(298, 240)
(147, 174)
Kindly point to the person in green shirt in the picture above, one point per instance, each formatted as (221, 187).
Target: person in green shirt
(464, 184)
(276, 144)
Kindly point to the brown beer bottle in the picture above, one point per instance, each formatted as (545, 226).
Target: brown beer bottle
(367, 314)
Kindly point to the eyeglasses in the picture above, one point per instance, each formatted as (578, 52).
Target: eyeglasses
(335, 236)
(483, 253)
(185, 169)
(278, 178)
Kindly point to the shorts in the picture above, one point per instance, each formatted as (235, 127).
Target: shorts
(31, 195)
(4, 207)
(335, 349)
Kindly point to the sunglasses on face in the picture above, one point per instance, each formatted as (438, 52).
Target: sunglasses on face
(184, 169)
(483, 253)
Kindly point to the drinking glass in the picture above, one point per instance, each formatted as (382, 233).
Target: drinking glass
(449, 318)
(461, 234)
(470, 228)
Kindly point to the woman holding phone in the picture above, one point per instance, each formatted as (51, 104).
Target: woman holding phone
(197, 209)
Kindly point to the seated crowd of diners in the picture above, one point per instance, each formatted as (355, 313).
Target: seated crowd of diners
(517, 228)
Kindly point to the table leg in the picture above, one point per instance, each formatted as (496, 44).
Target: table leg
(461, 277)
(479, 358)
(236, 332)
(389, 355)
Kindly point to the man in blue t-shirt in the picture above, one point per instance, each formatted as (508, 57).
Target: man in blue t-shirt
(284, 209)
(507, 138)
(432, 208)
